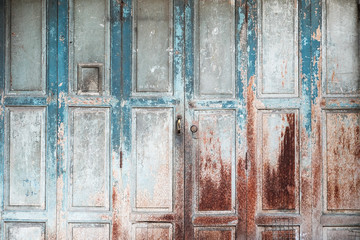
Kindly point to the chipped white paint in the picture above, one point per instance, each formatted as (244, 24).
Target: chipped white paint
(152, 35)
(215, 53)
(25, 161)
(25, 231)
(89, 147)
(342, 47)
(278, 48)
(26, 47)
(89, 231)
(153, 154)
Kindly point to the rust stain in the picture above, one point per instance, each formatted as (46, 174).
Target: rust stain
(281, 234)
(215, 183)
(62, 99)
(211, 220)
(252, 174)
(116, 221)
(317, 34)
(343, 147)
(61, 138)
(279, 185)
(214, 235)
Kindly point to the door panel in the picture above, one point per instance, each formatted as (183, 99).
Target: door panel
(278, 48)
(280, 158)
(25, 166)
(26, 47)
(89, 158)
(215, 49)
(153, 41)
(215, 161)
(153, 157)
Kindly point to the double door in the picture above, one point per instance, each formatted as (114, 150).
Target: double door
(197, 119)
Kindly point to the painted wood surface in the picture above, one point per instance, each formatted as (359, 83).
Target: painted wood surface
(179, 119)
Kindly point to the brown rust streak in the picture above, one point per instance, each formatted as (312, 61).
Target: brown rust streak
(116, 221)
(279, 185)
(215, 191)
(283, 234)
(316, 146)
(211, 220)
(343, 145)
(252, 174)
(212, 235)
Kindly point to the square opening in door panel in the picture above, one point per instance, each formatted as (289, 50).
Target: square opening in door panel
(90, 79)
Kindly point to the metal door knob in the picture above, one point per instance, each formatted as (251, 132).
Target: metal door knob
(193, 129)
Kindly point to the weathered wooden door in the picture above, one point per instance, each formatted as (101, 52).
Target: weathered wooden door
(153, 117)
(181, 119)
(336, 119)
(88, 141)
(28, 119)
(215, 129)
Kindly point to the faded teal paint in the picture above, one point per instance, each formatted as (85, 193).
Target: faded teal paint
(305, 63)
(316, 19)
(2, 112)
(49, 101)
(51, 133)
(115, 90)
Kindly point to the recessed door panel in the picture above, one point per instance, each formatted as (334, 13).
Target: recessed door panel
(341, 162)
(26, 46)
(341, 38)
(90, 231)
(279, 160)
(89, 144)
(25, 165)
(215, 53)
(215, 160)
(24, 231)
(154, 158)
(153, 46)
(278, 48)
(153, 231)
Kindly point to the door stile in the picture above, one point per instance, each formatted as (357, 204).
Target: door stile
(116, 120)
(220, 108)
(52, 117)
(62, 135)
(155, 108)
